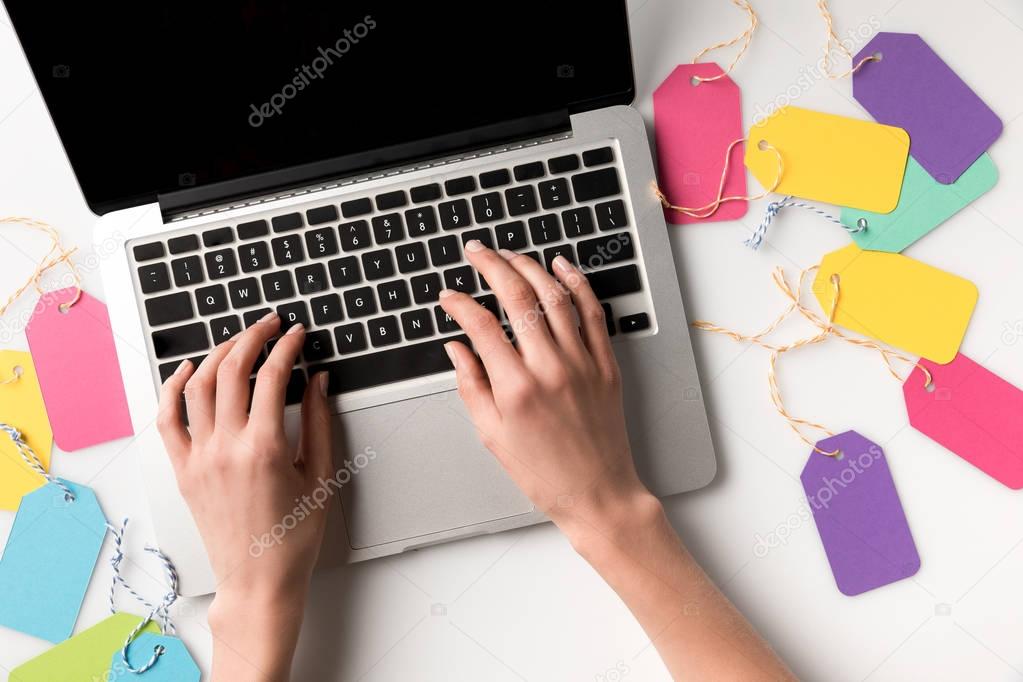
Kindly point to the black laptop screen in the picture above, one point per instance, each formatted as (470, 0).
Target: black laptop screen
(149, 97)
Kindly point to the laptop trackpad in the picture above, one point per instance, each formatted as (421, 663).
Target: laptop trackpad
(417, 467)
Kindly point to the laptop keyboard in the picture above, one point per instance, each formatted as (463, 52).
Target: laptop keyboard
(363, 275)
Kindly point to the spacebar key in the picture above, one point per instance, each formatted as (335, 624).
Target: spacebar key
(398, 364)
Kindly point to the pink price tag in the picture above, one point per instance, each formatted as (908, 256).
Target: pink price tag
(694, 124)
(78, 371)
(972, 412)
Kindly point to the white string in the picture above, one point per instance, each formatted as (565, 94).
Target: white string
(757, 238)
(30, 457)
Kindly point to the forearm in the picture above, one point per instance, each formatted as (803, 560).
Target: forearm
(254, 637)
(699, 633)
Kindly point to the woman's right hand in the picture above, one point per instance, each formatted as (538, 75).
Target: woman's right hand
(550, 406)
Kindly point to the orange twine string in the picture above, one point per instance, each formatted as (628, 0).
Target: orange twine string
(746, 36)
(825, 329)
(833, 39)
(57, 255)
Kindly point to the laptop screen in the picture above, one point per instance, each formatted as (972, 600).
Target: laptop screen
(151, 97)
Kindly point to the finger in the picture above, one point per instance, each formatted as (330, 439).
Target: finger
(555, 300)
(516, 295)
(235, 370)
(473, 386)
(201, 393)
(268, 399)
(316, 430)
(503, 363)
(591, 315)
(169, 420)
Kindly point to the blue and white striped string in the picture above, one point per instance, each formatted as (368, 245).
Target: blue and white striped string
(757, 238)
(160, 612)
(31, 459)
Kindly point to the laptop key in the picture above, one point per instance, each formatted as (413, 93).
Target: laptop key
(425, 193)
(563, 164)
(218, 237)
(360, 302)
(389, 200)
(601, 251)
(321, 243)
(285, 223)
(253, 229)
(378, 264)
(293, 313)
(487, 207)
(185, 340)
(577, 221)
(244, 293)
(211, 300)
(554, 193)
(154, 278)
(454, 215)
(457, 186)
(394, 364)
(421, 221)
(355, 235)
(187, 271)
(254, 257)
(489, 302)
(614, 282)
(351, 338)
(321, 214)
(356, 207)
(495, 178)
(426, 288)
(220, 264)
(344, 271)
(144, 252)
(388, 228)
(225, 328)
(444, 251)
(511, 236)
(312, 279)
(168, 309)
(411, 257)
(253, 316)
(417, 324)
(596, 184)
(597, 157)
(609, 319)
(611, 215)
(183, 244)
(326, 309)
(460, 279)
(277, 286)
(520, 200)
(529, 171)
(295, 391)
(318, 346)
(561, 250)
(287, 250)
(482, 235)
(393, 295)
(634, 323)
(544, 229)
(445, 323)
(383, 331)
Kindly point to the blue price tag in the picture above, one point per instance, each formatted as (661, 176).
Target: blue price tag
(173, 664)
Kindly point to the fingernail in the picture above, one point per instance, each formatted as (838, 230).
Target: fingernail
(181, 368)
(269, 317)
(561, 263)
(296, 329)
(506, 254)
(474, 245)
(321, 378)
(449, 349)
(444, 293)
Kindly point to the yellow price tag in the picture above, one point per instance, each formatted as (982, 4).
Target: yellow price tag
(898, 300)
(835, 159)
(21, 406)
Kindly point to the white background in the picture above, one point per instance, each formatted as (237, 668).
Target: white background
(521, 605)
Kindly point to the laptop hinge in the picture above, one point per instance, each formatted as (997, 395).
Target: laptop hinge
(194, 199)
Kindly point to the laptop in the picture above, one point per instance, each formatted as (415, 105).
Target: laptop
(329, 161)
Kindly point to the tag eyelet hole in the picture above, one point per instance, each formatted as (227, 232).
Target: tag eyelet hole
(840, 456)
(763, 146)
(862, 223)
(878, 56)
(18, 370)
(929, 387)
(63, 308)
(159, 650)
(694, 81)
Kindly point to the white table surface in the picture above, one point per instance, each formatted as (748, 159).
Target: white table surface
(522, 605)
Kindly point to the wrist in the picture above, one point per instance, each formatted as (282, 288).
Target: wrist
(610, 519)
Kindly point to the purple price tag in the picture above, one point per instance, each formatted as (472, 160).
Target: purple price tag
(949, 126)
(858, 514)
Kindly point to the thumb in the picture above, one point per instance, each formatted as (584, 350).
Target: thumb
(317, 424)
